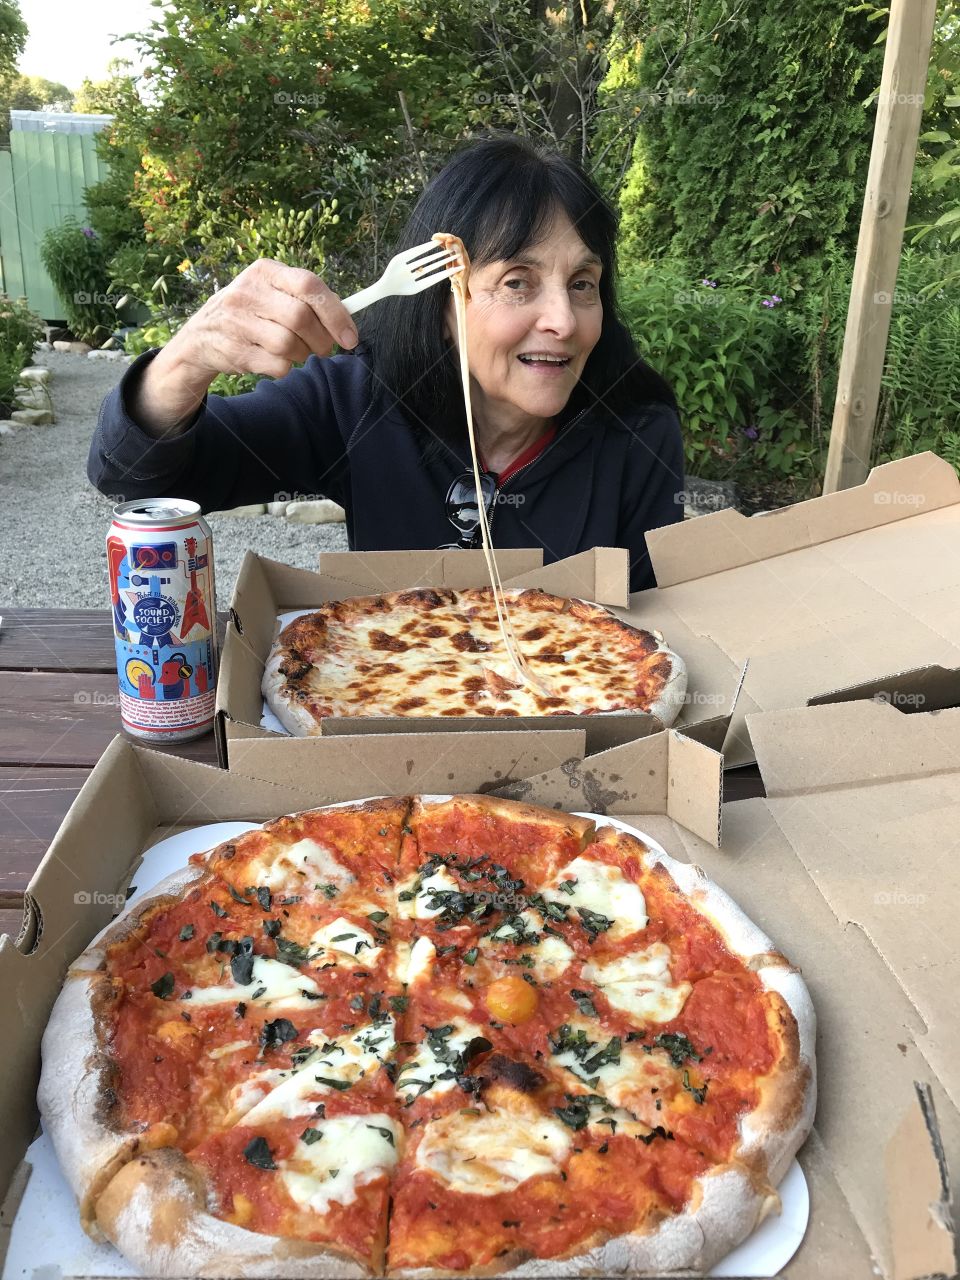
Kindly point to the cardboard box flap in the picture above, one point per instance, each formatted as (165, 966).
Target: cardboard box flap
(929, 688)
(665, 774)
(869, 799)
(370, 572)
(918, 1194)
(426, 763)
(845, 744)
(602, 575)
(727, 539)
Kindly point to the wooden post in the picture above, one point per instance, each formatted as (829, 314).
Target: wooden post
(885, 203)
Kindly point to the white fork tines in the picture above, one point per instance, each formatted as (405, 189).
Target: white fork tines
(409, 272)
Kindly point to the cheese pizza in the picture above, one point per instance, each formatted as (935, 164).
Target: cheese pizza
(429, 1037)
(440, 652)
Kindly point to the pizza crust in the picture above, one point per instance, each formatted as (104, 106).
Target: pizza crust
(75, 1094)
(730, 1206)
(155, 1211)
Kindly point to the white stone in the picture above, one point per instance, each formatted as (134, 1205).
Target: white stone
(33, 417)
(102, 354)
(72, 348)
(277, 508)
(255, 509)
(320, 511)
(35, 373)
(6, 429)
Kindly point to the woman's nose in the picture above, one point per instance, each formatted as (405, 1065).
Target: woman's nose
(556, 314)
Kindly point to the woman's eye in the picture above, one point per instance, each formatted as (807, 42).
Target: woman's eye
(515, 280)
(589, 286)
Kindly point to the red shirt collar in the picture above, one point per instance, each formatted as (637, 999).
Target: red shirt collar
(532, 451)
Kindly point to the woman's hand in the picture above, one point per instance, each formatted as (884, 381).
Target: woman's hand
(266, 319)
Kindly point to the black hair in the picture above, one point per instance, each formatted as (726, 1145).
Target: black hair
(499, 194)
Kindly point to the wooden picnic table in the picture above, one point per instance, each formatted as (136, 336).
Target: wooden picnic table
(58, 713)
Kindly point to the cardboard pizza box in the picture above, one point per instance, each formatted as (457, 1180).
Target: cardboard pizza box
(856, 834)
(266, 588)
(136, 797)
(819, 595)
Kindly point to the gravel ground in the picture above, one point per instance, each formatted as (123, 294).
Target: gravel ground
(53, 522)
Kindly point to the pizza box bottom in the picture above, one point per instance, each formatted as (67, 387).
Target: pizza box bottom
(48, 1243)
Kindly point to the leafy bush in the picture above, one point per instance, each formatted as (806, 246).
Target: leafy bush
(20, 331)
(735, 357)
(920, 397)
(75, 260)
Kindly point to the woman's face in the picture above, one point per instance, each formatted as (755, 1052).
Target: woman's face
(544, 302)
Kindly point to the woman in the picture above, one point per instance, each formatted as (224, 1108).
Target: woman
(579, 439)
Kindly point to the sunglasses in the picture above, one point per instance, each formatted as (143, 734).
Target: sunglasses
(463, 510)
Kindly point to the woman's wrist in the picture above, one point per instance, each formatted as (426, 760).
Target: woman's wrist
(168, 394)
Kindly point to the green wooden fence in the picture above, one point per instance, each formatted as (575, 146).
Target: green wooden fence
(42, 178)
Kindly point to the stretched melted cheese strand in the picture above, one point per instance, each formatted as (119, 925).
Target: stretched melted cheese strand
(458, 283)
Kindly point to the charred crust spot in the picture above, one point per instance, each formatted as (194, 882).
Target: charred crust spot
(500, 1069)
(294, 668)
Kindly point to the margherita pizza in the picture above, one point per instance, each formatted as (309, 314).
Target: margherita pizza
(427, 1038)
(439, 652)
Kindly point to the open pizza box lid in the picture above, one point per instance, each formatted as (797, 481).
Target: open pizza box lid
(850, 864)
(817, 595)
(135, 798)
(265, 589)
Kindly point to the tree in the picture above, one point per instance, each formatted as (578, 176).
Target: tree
(34, 93)
(758, 152)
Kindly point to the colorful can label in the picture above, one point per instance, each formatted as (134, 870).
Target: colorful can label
(160, 563)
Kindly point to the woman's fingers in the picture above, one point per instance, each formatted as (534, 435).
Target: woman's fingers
(309, 289)
(268, 318)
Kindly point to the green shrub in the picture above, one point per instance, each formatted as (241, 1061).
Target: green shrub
(20, 331)
(76, 262)
(735, 357)
(920, 397)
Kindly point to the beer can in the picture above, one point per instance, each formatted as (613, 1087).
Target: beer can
(160, 564)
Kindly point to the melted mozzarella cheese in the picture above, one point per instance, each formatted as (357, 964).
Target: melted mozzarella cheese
(425, 906)
(418, 960)
(306, 861)
(351, 1151)
(640, 984)
(622, 1081)
(347, 1058)
(347, 939)
(604, 889)
(425, 1067)
(550, 958)
(493, 1152)
(280, 985)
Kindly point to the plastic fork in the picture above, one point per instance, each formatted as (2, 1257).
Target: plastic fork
(410, 271)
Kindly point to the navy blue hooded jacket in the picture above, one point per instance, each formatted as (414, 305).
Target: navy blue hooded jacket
(323, 430)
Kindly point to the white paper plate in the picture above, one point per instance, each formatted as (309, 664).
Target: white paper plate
(38, 1252)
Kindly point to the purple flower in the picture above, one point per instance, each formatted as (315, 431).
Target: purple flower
(89, 233)
(711, 284)
(751, 433)
(767, 303)
(775, 298)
